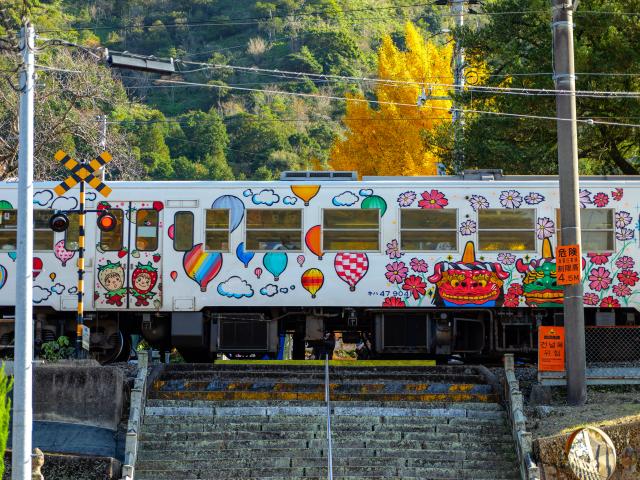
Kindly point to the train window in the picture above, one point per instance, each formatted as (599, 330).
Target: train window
(42, 234)
(429, 230)
(501, 229)
(597, 229)
(147, 229)
(217, 230)
(8, 230)
(183, 231)
(112, 241)
(352, 230)
(274, 229)
(72, 233)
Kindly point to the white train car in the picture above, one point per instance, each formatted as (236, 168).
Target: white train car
(429, 265)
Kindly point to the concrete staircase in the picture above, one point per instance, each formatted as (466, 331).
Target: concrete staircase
(269, 422)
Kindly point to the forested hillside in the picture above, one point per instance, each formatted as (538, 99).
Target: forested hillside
(278, 104)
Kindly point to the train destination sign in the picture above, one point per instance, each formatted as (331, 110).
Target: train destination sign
(568, 265)
(550, 349)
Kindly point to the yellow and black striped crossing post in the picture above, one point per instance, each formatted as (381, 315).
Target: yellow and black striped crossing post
(81, 173)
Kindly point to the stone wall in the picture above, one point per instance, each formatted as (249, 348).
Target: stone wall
(71, 467)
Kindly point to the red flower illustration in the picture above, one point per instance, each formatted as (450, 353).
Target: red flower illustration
(628, 277)
(393, 302)
(515, 289)
(598, 258)
(415, 285)
(617, 194)
(433, 199)
(511, 300)
(600, 199)
(621, 290)
(591, 299)
(609, 302)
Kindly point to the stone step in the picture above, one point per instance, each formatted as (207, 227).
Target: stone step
(185, 368)
(204, 471)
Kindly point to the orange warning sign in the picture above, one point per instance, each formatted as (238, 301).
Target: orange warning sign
(568, 265)
(550, 349)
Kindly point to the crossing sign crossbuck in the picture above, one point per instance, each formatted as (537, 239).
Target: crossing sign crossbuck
(82, 173)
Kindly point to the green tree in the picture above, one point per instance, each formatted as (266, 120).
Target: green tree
(517, 48)
(6, 384)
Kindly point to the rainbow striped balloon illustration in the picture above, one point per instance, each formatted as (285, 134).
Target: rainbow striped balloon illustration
(312, 281)
(3, 276)
(201, 266)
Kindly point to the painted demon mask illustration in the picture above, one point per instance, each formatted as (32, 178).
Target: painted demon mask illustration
(468, 283)
(539, 282)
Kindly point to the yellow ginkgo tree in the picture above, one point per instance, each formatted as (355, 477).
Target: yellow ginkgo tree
(386, 137)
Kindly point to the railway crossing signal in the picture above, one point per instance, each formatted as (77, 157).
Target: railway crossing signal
(81, 173)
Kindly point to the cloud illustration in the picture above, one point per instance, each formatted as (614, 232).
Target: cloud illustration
(43, 197)
(64, 203)
(289, 200)
(72, 290)
(235, 287)
(269, 290)
(247, 193)
(90, 196)
(265, 197)
(58, 288)
(345, 199)
(366, 192)
(40, 294)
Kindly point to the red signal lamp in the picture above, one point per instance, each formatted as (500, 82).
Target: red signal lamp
(107, 222)
(59, 222)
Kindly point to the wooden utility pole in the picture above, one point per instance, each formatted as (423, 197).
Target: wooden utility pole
(564, 77)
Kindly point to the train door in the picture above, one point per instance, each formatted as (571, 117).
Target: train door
(128, 259)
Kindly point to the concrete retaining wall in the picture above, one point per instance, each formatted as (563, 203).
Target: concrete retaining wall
(72, 467)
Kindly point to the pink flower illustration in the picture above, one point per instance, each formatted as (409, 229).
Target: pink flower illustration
(393, 302)
(600, 279)
(610, 302)
(598, 258)
(534, 198)
(624, 234)
(591, 299)
(625, 263)
(511, 300)
(545, 228)
(415, 285)
(585, 198)
(468, 227)
(623, 219)
(406, 199)
(621, 290)
(433, 199)
(418, 265)
(507, 258)
(628, 277)
(396, 272)
(510, 199)
(393, 249)
(478, 202)
(601, 199)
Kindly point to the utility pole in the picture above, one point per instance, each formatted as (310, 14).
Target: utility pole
(23, 348)
(564, 76)
(457, 9)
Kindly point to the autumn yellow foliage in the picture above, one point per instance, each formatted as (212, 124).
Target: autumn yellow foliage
(387, 139)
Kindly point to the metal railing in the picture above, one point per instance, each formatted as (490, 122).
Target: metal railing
(136, 412)
(518, 422)
(619, 344)
(328, 401)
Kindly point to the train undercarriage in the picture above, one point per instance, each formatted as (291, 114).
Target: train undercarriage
(478, 334)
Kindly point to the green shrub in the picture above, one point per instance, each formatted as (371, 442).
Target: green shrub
(59, 349)
(6, 384)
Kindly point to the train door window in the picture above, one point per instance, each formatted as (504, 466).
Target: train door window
(429, 230)
(501, 229)
(72, 233)
(274, 229)
(597, 229)
(217, 230)
(42, 234)
(112, 241)
(351, 230)
(8, 230)
(183, 231)
(147, 229)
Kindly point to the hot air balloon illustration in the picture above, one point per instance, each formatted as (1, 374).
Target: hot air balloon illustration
(37, 267)
(305, 192)
(235, 207)
(201, 266)
(62, 253)
(351, 267)
(275, 263)
(244, 256)
(300, 260)
(173, 275)
(3, 276)
(13, 255)
(312, 281)
(258, 272)
(375, 201)
(52, 276)
(313, 240)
